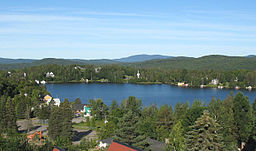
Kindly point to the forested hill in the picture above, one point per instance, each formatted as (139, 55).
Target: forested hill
(214, 62)
(55, 61)
(13, 61)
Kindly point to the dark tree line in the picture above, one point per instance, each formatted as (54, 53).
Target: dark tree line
(122, 74)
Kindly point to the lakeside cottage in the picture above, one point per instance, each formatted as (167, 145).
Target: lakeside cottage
(56, 101)
(50, 74)
(182, 84)
(47, 98)
(214, 81)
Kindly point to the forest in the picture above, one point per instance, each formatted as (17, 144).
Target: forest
(220, 125)
(122, 74)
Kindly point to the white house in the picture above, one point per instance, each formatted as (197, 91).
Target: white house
(43, 82)
(249, 88)
(214, 81)
(202, 86)
(105, 142)
(50, 74)
(56, 101)
(25, 74)
(138, 74)
(37, 81)
(180, 84)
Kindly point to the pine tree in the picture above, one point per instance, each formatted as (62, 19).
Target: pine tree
(243, 117)
(67, 116)
(127, 131)
(55, 123)
(2, 114)
(177, 140)
(10, 117)
(254, 120)
(222, 112)
(205, 135)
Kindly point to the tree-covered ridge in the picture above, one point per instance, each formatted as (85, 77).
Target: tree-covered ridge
(122, 74)
(214, 62)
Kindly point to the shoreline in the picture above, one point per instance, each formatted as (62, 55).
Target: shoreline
(148, 83)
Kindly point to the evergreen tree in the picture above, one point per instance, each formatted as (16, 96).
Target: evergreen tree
(164, 121)
(222, 112)
(10, 117)
(193, 114)
(243, 117)
(55, 123)
(177, 140)
(3, 114)
(114, 105)
(254, 120)
(67, 116)
(205, 135)
(127, 131)
(88, 123)
(21, 110)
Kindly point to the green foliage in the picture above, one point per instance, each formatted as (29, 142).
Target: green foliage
(60, 122)
(222, 112)
(165, 120)
(128, 133)
(10, 117)
(193, 114)
(205, 135)
(44, 112)
(176, 138)
(99, 109)
(243, 117)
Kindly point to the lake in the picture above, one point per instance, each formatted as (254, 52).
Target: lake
(149, 94)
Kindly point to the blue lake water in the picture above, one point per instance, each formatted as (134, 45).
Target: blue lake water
(149, 94)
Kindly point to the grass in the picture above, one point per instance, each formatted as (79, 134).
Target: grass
(80, 126)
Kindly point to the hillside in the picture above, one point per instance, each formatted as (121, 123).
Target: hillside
(54, 61)
(13, 61)
(214, 62)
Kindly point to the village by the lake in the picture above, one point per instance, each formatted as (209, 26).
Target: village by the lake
(133, 75)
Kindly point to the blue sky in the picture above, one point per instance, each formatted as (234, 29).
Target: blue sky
(93, 29)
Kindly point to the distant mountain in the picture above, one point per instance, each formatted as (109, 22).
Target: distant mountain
(141, 58)
(213, 62)
(250, 56)
(46, 61)
(12, 61)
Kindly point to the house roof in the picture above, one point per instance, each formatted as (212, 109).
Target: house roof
(118, 146)
(155, 145)
(58, 149)
(47, 97)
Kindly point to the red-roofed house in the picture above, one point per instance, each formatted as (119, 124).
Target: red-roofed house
(117, 146)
